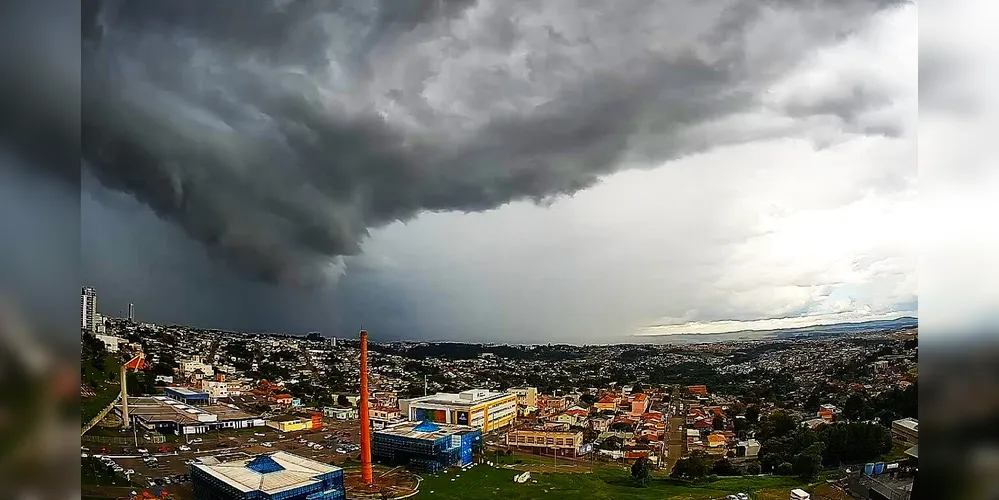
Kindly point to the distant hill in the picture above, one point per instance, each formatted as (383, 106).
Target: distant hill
(844, 328)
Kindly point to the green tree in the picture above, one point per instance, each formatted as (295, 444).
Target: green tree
(784, 469)
(638, 389)
(588, 399)
(341, 400)
(753, 469)
(855, 407)
(753, 414)
(641, 471)
(782, 423)
(808, 463)
(724, 467)
(695, 466)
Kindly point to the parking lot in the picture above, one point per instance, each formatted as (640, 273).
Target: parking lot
(172, 462)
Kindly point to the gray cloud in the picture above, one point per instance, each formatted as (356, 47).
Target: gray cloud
(278, 134)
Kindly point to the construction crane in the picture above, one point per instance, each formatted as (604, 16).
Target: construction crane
(135, 364)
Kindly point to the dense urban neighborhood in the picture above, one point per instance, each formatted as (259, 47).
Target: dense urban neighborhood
(834, 413)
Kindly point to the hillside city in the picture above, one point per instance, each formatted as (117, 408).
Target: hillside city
(817, 416)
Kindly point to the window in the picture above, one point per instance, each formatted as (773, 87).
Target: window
(569, 442)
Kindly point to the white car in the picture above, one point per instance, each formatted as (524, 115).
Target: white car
(258, 434)
(196, 441)
(341, 450)
(281, 436)
(268, 445)
(184, 447)
(143, 450)
(251, 440)
(318, 447)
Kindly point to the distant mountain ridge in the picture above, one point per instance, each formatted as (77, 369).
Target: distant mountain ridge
(829, 329)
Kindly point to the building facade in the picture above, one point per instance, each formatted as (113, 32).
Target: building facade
(288, 423)
(478, 408)
(274, 476)
(546, 439)
(905, 431)
(187, 396)
(88, 308)
(426, 446)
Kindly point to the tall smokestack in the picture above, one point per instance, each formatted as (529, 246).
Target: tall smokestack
(366, 473)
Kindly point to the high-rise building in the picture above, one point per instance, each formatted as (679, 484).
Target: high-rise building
(131, 312)
(88, 309)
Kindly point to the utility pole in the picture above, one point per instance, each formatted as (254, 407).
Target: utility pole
(424, 384)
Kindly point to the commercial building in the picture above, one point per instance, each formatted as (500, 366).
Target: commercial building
(273, 476)
(527, 397)
(385, 416)
(88, 308)
(292, 423)
(546, 439)
(905, 431)
(196, 364)
(187, 396)
(478, 408)
(168, 416)
(426, 446)
(340, 413)
(111, 343)
(640, 404)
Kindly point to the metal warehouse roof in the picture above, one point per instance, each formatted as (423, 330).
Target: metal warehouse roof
(270, 473)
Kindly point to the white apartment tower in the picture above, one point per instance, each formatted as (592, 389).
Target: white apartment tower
(131, 312)
(88, 309)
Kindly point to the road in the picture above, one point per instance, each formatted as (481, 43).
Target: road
(676, 435)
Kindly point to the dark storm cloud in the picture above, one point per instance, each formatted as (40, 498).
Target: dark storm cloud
(278, 133)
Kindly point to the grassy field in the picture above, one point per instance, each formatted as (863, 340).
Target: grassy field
(483, 482)
(105, 385)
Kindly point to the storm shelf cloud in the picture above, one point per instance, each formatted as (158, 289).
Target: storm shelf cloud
(280, 133)
(296, 140)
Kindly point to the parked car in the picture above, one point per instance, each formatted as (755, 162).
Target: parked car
(341, 450)
(184, 447)
(143, 450)
(268, 445)
(280, 436)
(163, 449)
(328, 436)
(258, 434)
(318, 447)
(251, 440)
(196, 441)
(188, 462)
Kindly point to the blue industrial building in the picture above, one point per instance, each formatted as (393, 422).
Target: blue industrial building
(426, 446)
(273, 476)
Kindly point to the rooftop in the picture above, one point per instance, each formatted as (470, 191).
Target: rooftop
(465, 399)
(424, 430)
(184, 391)
(908, 423)
(163, 409)
(270, 473)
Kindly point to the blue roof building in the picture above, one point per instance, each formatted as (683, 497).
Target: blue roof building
(273, 476)
(426, 446)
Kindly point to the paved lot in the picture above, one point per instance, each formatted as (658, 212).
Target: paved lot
(237, 444)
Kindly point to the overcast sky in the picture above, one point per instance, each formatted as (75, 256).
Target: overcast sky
(506, 171)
